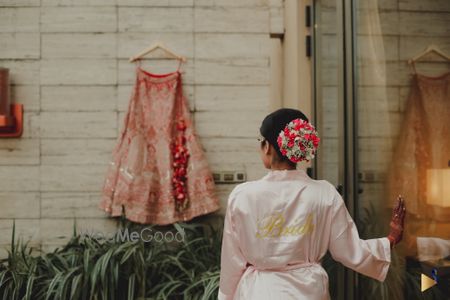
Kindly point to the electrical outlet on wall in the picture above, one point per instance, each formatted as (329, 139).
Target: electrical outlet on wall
(229, 176)
(371, 176)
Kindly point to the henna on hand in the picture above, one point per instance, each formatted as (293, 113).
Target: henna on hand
(397, 222)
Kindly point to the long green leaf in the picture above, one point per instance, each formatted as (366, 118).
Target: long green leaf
(131, 285)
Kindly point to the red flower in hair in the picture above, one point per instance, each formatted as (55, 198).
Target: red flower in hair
(298, 140)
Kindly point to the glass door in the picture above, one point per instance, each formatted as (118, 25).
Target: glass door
(402, 142)
(385, 132)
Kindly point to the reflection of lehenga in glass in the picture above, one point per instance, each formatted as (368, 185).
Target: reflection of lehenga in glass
(158, 173)
(423, 144)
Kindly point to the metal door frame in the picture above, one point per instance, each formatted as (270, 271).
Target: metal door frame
(347, 120)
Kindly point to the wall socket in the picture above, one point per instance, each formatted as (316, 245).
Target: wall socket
(371, 176)
(229, 176)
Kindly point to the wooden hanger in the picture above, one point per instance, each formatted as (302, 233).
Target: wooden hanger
(430, 49)
(158, 45)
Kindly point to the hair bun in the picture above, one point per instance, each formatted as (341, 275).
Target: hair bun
(298, 141)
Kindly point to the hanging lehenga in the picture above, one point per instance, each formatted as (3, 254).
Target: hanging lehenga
(158, 173)
(423, 145)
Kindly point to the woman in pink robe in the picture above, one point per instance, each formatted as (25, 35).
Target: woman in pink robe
(279, 227)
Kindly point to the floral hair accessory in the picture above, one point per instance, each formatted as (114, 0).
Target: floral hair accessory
(298, 141)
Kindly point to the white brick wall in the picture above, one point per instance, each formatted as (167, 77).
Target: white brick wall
(69, 66)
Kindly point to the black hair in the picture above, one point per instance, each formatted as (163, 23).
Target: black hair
(273, 123)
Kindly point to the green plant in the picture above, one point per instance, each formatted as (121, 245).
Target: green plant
(106, 268)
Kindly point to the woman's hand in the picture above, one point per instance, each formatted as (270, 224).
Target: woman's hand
(397, 222)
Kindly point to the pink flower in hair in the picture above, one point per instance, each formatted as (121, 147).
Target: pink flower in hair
(298, 141)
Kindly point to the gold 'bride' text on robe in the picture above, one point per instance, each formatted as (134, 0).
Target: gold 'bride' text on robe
(275, 225)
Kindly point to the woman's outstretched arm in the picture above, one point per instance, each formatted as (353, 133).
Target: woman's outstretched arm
(370, 257)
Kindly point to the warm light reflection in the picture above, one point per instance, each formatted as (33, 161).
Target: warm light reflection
(438, 187)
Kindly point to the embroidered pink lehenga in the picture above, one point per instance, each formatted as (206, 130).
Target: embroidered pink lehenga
(158, 173)
(423, 144)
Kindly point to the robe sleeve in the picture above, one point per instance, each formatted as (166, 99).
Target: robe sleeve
(232, 261)
(370, 257)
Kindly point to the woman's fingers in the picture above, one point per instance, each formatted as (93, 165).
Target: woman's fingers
(401, 206)
(394, 211)
(398, 218)
(397, 208)
(403, 212)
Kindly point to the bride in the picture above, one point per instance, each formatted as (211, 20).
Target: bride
(279, 227)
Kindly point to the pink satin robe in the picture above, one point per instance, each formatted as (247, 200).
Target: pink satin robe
(276, 231)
